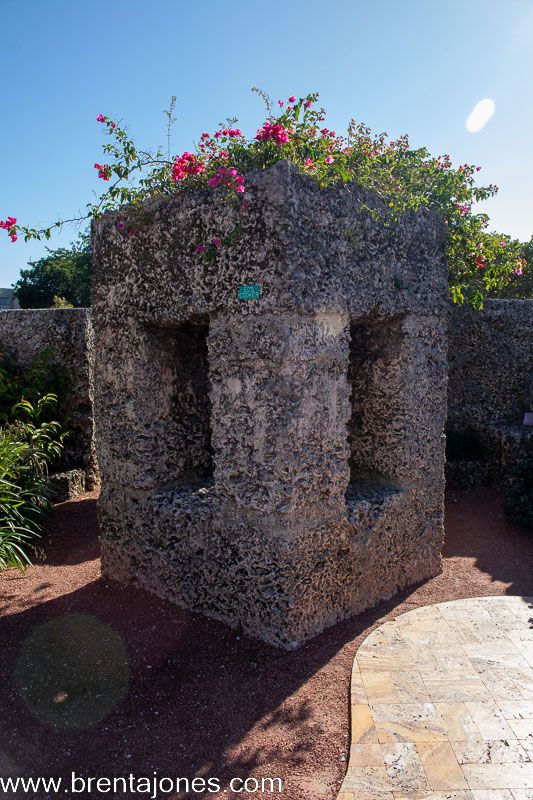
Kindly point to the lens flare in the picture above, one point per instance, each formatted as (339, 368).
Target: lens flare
(72, 671)
(480, 115)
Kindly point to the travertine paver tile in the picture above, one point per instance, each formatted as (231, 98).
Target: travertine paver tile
(527, 744)
(508, 683)
(366, 755)
(420, 613)
(483, 631)
(516, 709)
(489, 720)
(463, 795)
(446, 659)
(404, 767)
(442, 705)
(380, 687)
(502, 751)
(499, 776)
(522, 728)
(384, 658)
(521, 636)
(357, 687)
(523, 608)
(497, 654)
(458, 722)
(441, 766)
(506, 618)
(410, 687)
(345, 794)
(455, 612)
(526, 650)
(427, 633)
(367, 780)
(386, 634)
(452, 686)
(522, 794)
(363, 726)
(408, 722)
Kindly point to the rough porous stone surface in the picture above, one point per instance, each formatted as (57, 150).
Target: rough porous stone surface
(67, 485)
(67, 334)
(491, 383)
(275, 463)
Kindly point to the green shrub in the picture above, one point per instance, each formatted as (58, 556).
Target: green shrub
(41, 378)
(519, 499)
(28, 445)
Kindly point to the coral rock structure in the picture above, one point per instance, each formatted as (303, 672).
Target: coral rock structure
(66, 335)
(276, 463)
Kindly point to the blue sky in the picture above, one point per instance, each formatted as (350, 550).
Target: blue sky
(414, 66)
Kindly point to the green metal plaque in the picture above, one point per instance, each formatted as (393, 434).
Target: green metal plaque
(249, 292)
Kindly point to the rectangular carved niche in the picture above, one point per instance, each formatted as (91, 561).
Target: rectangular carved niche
(377, 393)
(182, 404)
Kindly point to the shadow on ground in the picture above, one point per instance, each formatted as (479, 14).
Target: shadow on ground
(200, 699)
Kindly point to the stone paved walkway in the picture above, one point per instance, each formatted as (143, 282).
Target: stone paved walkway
(442, 705)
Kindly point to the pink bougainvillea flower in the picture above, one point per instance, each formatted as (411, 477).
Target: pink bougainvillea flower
(239, 188)
(275, 131)
(214, 181)
(200, 248)
(104, 171)
(14, 238)
(329, 159)
(216, 242)
(205, 135)
(280, 103)
(187, 165)
(292, 99)
(120, 226)
(307, 103)
(100, 118)
(503, 243)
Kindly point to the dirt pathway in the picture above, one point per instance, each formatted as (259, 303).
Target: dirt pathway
(202, 700)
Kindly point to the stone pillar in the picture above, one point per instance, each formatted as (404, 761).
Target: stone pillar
(280, 405)
(277, 462)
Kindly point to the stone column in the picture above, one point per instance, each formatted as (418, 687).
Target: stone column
(280, 404)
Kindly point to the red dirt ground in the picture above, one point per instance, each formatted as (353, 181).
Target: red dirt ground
(203, 700)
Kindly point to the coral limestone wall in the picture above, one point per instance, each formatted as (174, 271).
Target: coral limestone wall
(67, 334)
(490, 390)
(275, 462)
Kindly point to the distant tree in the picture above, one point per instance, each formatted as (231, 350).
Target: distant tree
(62, 277)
